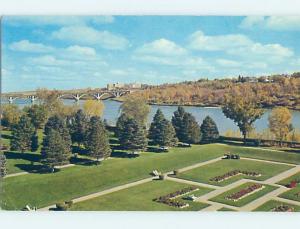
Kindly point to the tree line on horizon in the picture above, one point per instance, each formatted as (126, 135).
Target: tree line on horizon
(279, 90)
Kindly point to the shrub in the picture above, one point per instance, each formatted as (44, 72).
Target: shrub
(61, 206)
(176, 172)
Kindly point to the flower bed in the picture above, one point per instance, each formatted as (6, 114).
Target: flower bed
(245, 192)
(282, 208)
(169, 198)
(234, 173)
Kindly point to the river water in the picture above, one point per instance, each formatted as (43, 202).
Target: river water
(111, 113)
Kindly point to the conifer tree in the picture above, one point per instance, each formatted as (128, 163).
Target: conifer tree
(55, 151)
(120, 125)
(177, 122)
(209, 130)
(133, 136)
(161, 131)
(3, 170)
(34, 142)
(22, 134)
(190, 129)
(97, 141)
(78, 127)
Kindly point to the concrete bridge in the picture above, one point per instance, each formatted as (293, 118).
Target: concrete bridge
(76, 96)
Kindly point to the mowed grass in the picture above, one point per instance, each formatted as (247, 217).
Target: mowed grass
(203, 174)
(251, 197)
(264, 154)
(140, 198)
(293, 193)
(270, 205)
(45, 189)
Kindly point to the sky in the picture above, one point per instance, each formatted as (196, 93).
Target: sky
(68, 52)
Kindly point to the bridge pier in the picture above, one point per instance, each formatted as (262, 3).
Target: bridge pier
(32, 98)
(11, 99)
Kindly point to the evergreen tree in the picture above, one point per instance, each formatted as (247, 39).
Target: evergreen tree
(97, 141)
(120, 125)
(55, 151)
(22, 134)
(34, 142)
(133, 136)
(58, 123)
(161, 131)
(190, 129)
(209, 130)
(177, 121)
(3, 171)
(78, 127)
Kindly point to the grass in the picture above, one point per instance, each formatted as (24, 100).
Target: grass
(203, 174)
(264, 154)
(140, 198)
(268, 206)
(45, 189)
(222, 197)
(224, 209)
(292, 193)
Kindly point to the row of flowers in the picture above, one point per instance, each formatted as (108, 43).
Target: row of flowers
(234, 173)
(169, 198)
(244, 192)
(283, 208)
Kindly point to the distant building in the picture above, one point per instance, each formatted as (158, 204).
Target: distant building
(113, 86)
(135, 85)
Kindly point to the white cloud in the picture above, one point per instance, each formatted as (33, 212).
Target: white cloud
(56, 20)
(48, 60)
(228, 63)
(200, 41)
(80, 50)
(90, 36)
(27, 46)
(272, 22)
(162, 47)
(241, 46)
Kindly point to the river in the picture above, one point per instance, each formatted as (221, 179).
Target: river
(111, 113)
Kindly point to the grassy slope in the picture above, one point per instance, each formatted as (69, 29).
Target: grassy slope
(222, 197)
(140, 198)
(205, 173)
(45, 189)
(268, 206)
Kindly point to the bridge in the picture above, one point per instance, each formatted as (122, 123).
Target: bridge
(97, 95)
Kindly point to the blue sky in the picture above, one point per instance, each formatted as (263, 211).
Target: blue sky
(78, 52)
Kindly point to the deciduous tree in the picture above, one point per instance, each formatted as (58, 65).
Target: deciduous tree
(280, 122)
(3, 170)
(10, 115)
(93, 108)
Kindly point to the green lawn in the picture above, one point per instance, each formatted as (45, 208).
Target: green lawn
(268, 206)
(203, 174)
(222, 197)
(226, 210)
(264, 154)
(292, 193)
(140, 198)
(46, 189)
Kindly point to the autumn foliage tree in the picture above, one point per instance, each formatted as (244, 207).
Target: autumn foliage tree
(93, 108)
(243, 109)
(280, 122)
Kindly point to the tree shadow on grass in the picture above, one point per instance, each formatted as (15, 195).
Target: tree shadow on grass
(114, 141)
(35, 168)
(82, 161)
(123, 154)
(32, 157)
(6, 136)
(79, 150)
